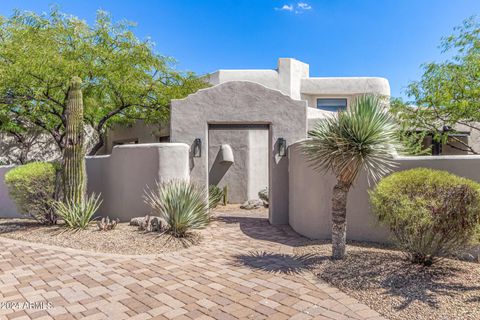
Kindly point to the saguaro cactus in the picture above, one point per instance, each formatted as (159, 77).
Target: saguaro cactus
(74, 171)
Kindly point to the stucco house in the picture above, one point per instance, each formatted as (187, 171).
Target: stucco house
(292, 78)
(244, 132)
(247, 173)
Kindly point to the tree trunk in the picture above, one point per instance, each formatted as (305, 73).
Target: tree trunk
(339, 219)
(97, 145)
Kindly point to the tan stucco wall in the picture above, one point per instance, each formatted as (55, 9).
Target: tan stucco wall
(122, 177)
(234, 176)
(8, 209)
(286, 78)
(292, 77)
(310, 195)
(249, 172)
(242, 102)
(345, 86)
(474, 139)
(258, 162)
(140, 131)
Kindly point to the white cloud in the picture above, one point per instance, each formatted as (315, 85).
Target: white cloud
(304, 6)
(286, 7)
(300, 7)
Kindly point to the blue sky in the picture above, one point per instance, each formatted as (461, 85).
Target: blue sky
(387, 38)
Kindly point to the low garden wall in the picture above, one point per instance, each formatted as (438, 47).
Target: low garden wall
(123, 176)
(311, 192)
(7, 206)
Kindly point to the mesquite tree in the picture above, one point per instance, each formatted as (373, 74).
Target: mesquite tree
(124, 78)
(74, 171)
(445, 99)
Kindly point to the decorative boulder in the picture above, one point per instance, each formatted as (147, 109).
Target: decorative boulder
(263, 194)
(137, 221)
(252, 204)
(149, 223)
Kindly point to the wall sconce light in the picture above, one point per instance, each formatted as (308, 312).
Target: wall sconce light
(197, 148)
(282, 147)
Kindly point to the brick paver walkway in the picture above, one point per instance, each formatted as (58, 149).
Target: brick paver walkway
(244, 268)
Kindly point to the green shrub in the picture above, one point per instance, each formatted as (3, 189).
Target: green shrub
(215, 196)
(431, 213)
(77, 215)
(182, 204)
(32, 187)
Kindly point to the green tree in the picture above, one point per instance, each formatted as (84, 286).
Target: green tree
(361, 137)
(124, 79)
(446, 98)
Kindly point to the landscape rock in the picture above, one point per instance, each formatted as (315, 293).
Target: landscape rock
(149, 223)
(252, 204)
(263, 194)
(137, 221)
(470, 253)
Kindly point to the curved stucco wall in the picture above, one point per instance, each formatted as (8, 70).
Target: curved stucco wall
(122, 177)
(311, 192)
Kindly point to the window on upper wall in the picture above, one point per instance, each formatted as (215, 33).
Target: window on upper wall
(331, 104)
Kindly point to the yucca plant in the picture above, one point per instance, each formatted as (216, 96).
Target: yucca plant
(215, 196)
(361, 137)
(77, 215)
(182, 204)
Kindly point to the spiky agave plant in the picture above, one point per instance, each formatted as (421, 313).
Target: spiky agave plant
(361, 137)
(77, 215)
(215, 196)
(183, 205)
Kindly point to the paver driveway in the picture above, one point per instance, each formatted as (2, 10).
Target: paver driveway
(243, 268)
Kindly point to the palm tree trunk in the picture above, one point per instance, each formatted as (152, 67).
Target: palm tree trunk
(339, 219)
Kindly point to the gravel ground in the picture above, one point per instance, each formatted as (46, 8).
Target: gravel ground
(381, 278)
(235, 209)
(124, 239)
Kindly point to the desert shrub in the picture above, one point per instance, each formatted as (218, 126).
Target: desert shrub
(77, 215)
(182, 204)
(32, 187)
(431, 213)
(263, 194)
(215, 196)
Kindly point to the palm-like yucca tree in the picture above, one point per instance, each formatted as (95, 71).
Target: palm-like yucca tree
(361, 137)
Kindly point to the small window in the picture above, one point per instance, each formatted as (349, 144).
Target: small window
(164, 139)
(332, 104)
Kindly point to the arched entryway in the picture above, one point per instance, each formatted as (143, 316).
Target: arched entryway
(242, 103)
